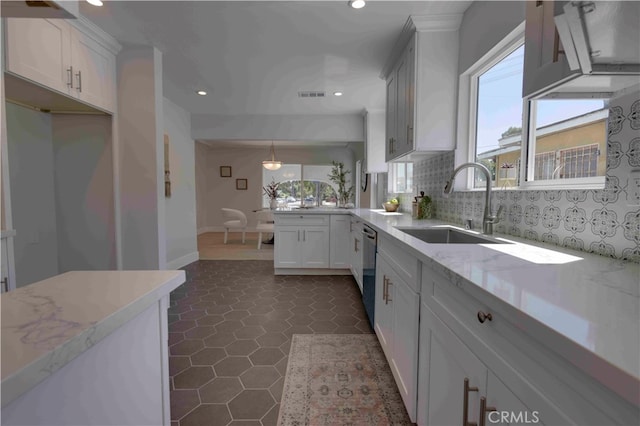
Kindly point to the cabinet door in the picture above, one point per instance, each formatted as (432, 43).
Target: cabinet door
(315, 246)
(94, 72)
(287, 252)
(406, 308)
(544, 66)
(410, 101)
(391, 117)
(401, 106)
(340, 253)
(447, 362)
(500, 398)
(39, 50)
(383, 307)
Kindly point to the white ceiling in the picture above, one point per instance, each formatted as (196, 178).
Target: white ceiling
(253, 57)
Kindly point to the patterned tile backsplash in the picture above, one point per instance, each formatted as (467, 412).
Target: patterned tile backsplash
(597, 221)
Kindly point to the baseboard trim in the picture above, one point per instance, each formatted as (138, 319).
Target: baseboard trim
(221, 229)
(183, 261)
(311, 271)
(206, 229)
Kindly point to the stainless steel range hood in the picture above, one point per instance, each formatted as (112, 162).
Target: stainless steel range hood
(601, 41)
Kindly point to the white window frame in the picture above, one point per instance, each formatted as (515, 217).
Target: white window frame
(467, 105)
(528, 152)
(467, 124)
(391, 187)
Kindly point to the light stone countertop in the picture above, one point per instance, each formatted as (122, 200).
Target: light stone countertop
(47, 324)
(585, 307)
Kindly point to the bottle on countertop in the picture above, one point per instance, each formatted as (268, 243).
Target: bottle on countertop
(421, 206)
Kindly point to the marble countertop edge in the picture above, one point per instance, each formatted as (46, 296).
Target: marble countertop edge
(28, 376)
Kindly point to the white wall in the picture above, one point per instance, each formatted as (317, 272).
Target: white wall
(347, 128)
(201, 152)
(246, 163)
(140, 150)
(180, 208)
(483, 25)
(30, 152)
(83, 167)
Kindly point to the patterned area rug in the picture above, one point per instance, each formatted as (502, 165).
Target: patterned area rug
(339, 379)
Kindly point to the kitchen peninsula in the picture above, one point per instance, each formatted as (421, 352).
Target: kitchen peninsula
(88, 347)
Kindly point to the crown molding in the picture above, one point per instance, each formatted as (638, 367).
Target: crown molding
(90, 29)
(419, 23)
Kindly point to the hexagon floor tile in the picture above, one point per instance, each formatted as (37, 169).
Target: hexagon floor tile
(232, 320)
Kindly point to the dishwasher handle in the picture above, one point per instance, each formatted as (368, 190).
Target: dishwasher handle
(369, 233)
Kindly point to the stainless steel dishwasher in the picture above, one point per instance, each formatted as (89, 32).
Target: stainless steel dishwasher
(369, 248)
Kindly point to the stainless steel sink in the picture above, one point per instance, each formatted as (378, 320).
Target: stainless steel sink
(444, 235)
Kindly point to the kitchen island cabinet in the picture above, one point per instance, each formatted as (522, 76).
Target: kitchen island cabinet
(88, 347)
(315, 241)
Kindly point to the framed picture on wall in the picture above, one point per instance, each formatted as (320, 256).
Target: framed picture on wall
(241, 184)
(225, 171)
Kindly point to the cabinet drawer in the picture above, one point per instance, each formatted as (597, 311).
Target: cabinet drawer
(405, 264)
(301, 219)
(541, 379)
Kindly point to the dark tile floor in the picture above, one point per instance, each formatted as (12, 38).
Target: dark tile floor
(230, 328)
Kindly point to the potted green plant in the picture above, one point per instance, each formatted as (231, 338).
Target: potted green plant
(338, 176)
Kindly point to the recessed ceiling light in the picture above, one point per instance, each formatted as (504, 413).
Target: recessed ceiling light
(95, 2)
(337, 93)
(202, 92)
(357, 4)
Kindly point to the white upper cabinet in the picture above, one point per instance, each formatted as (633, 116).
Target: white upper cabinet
(576, 49)
(374, 137)
(75, 59)
(421, 77)
(544, 61)
(40, 50)
(94, 72)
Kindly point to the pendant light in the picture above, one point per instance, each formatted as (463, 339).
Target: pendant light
(272, 164)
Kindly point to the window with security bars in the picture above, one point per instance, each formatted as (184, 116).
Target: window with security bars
(545, 165)
(579, 162)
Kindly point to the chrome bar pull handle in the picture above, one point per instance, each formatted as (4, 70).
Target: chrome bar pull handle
(5, 284)
(304, 235)
(388, 299)
(70, 77)
(465, 403)
(79, 75)
(484, 410)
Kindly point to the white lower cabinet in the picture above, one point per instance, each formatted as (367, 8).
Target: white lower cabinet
(302, 247)
(445, 365)
(301, 241)
(512, 378)
(355, 250)
(339, 254)
(397, 308)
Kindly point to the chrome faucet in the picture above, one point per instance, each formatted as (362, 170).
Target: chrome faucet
(488, 220)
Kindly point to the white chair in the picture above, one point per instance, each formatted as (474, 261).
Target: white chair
(238, 221)
(265, 224)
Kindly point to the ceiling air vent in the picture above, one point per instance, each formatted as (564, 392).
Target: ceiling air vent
(311, 94)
